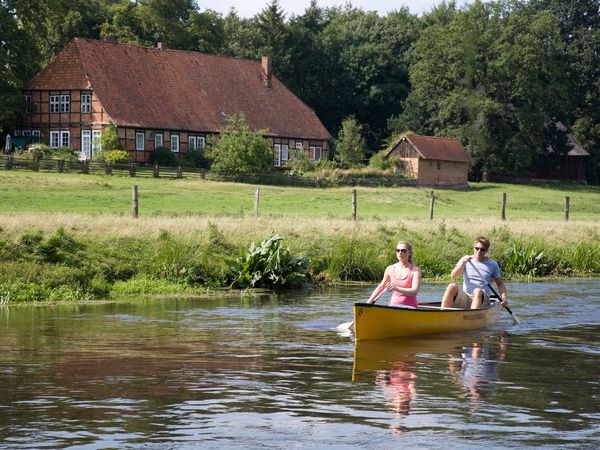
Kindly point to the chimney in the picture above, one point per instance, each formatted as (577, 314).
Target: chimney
(266, 71)
(159, 45)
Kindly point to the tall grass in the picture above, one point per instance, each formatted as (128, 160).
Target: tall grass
(74, 257)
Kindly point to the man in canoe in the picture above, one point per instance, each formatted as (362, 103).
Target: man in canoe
(403, 279)
(478, 271)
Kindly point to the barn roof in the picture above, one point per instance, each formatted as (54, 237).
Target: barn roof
(157, 88)
(433, 147)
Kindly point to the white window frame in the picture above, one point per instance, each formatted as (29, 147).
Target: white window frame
(54, 139)
(54, 104)
(36, 135)
(277, 155)
(284, 152)
(86, 145)
(96, 141)
(200, 139)
(191, 143)
(65, 103)
(65, 138)
(86, 103)
(26, 132)
(159, 140)
(175, 143)
(312, 152)
(140, 138)
(318, 153)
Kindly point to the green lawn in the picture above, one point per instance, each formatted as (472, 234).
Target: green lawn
(46, 192)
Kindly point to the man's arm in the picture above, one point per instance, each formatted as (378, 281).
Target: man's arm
(502, 289)
(459, 267)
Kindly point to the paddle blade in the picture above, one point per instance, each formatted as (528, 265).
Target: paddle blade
(346, 326)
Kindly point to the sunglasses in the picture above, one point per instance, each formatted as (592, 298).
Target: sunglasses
(401, 250)
(480, 249)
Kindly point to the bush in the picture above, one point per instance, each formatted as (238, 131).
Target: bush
(268, 265)
(379, 161)
(65, 153)
(240, 150)
(300, 162)
(163, 156)
(116, 156)
(38, 151)
(195, 158)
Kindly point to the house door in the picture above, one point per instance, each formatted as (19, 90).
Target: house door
(86, 145)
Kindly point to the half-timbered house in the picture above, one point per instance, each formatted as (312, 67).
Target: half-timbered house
(162, 98)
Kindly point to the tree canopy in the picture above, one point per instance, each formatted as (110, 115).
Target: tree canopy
(498, 75)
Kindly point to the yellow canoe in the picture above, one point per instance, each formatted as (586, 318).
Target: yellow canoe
(372, 321)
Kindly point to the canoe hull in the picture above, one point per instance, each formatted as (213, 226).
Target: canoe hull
(382, 322)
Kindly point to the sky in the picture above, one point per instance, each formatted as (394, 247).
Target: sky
(249, 8)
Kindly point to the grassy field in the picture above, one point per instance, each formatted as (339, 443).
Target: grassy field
(71, 237)
(69, 193)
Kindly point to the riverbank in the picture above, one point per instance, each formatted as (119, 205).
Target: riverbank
(74, 257)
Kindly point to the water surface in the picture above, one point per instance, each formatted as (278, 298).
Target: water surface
(272, 372)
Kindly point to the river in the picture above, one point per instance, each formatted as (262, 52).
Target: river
(271, 372)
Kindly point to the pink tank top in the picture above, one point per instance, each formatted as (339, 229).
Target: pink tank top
(398, 298)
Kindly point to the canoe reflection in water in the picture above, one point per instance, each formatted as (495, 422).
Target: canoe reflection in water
(473, 362)
(476, 368)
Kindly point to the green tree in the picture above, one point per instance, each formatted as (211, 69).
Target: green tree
(350, 145)
(238, 149)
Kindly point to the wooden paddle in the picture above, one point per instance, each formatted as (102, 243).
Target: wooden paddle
(349, 326)
(516, 320)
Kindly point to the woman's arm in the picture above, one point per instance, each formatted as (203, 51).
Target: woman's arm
(380, 287)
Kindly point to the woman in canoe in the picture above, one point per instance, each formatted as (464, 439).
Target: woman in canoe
(403, 279)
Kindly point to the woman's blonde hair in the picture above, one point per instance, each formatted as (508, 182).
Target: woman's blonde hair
(408, 245)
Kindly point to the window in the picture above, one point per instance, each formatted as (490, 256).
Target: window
(139, 141)
(36, 135)
(86, 103)
(28, 105)
(65, 103)
(175, 143)
(96, 141)
(196, 143)
(86, 144)
(158, 140)
(318, 153)
(311, 152)
(26, 132)
(65, 138)
(277, 155)
(54, 139)
(299, 144)
(284, 152)
(54, 103)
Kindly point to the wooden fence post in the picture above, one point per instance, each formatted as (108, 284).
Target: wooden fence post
(179, 172)
(567, 207)
(9, 162)
(156, 171)
(61, 166)
(256, 201)
(503, 209)
(431, 204)
(108, 168)
(134, 201)
(354, 204)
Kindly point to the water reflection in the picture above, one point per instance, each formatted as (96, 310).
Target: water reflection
(398, 366)
(476, 368)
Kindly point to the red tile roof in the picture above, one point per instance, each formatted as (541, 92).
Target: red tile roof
(149, 87)
(440, 148)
